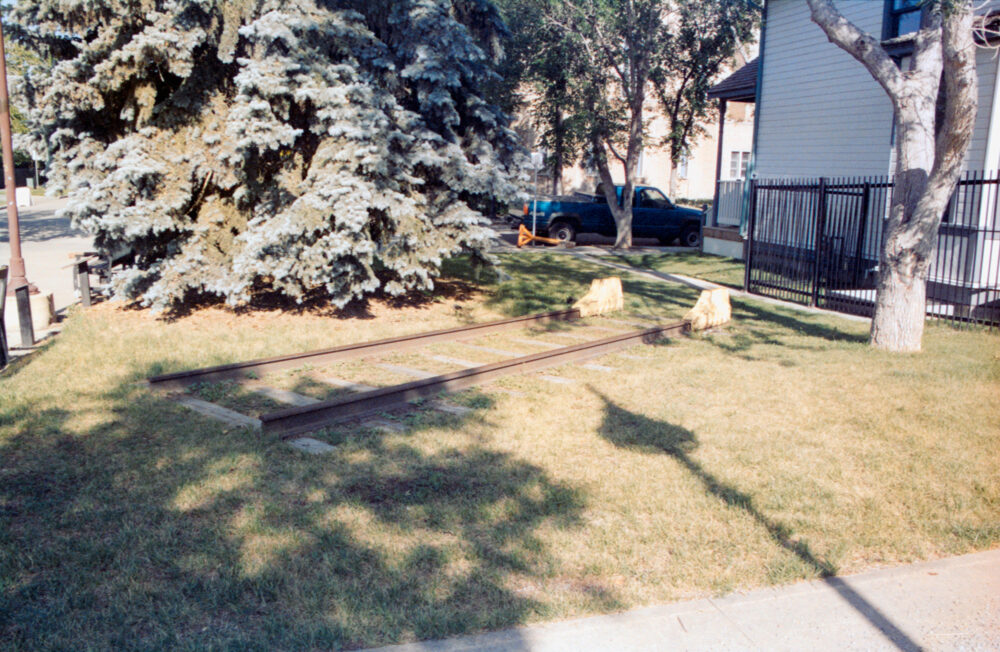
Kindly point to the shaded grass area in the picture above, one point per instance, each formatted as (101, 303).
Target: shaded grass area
(552, 282)
(776, 449)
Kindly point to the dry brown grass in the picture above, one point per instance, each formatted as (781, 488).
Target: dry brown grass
(776, 449)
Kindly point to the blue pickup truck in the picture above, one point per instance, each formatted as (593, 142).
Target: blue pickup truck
(653, 216)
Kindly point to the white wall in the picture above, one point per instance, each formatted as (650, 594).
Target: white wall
(821, 113)
(986, 67)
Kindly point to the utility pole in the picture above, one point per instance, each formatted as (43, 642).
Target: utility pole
(17, 272)
(19, 286)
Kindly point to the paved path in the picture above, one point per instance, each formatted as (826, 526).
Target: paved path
(948, 604)
(46, 244)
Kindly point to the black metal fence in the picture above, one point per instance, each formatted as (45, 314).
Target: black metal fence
(817, 241)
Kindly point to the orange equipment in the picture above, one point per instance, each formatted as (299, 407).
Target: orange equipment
(524, 236)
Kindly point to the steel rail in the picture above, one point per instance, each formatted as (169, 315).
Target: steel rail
(249, 368)
(297, 420)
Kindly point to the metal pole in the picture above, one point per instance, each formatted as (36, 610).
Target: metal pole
(534, 205)
(17, 272)
(718, 163)
(748, 243)
(818, 241)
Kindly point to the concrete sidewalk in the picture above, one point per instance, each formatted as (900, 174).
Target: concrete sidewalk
(47, 243)
(947, 604)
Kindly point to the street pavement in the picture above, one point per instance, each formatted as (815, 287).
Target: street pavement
(590, 243)
(947, 604)
(47, 245)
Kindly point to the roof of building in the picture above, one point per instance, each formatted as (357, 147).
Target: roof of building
(740, 86)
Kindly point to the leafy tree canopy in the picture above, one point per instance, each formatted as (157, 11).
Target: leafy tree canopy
(337, 147)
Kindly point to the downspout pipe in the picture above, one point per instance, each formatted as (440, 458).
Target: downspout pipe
(752, 167)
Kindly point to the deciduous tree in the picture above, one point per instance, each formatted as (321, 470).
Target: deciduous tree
(619, 55)
(612, 51)
(702, 38)
(934, 103)
(537, 71)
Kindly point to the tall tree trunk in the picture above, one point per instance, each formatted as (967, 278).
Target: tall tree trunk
(901, 297)
(634, 149)
(558, 155)
(900, 305)
(623, 219)
(929, 152)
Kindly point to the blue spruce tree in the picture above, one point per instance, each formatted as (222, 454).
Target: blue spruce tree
(314, 148)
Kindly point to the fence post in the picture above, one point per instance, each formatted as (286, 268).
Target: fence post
(4, 354)
(83, 282)
(862, 225)
(820, 228)
(748, 245)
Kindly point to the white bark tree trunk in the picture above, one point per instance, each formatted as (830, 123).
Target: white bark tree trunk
(623, 219)
(928, 155)
(672, 188)
(622, 214)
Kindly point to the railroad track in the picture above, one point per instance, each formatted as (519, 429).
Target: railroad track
(307, 414)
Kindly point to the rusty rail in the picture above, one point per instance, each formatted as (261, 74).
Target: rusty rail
(249, 368)
(297, 420)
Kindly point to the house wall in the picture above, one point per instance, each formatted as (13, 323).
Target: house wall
(699, 182)
(821, 113)
(979, 156)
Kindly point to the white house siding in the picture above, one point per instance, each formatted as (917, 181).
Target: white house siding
(978, 157)
(821, 113)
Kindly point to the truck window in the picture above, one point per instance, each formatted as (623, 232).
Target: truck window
(653, 198)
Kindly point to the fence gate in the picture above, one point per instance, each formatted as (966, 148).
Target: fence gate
(817, 242)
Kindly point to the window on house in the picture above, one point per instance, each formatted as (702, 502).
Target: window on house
(902, 17)
(738, 164)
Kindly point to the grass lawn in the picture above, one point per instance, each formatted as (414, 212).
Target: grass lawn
(724, 271)
(776, 449)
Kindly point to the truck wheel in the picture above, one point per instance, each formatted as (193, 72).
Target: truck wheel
(691, 236)
(562, 231)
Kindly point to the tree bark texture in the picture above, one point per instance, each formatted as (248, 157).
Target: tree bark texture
(560, 152)
(623, 219)
(929, 155)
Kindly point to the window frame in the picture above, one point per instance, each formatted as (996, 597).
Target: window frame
(891, 16)
(739, 164)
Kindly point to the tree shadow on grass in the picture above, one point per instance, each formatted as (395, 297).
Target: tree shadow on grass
(754, 324)
(127, 522)
(636, 432)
